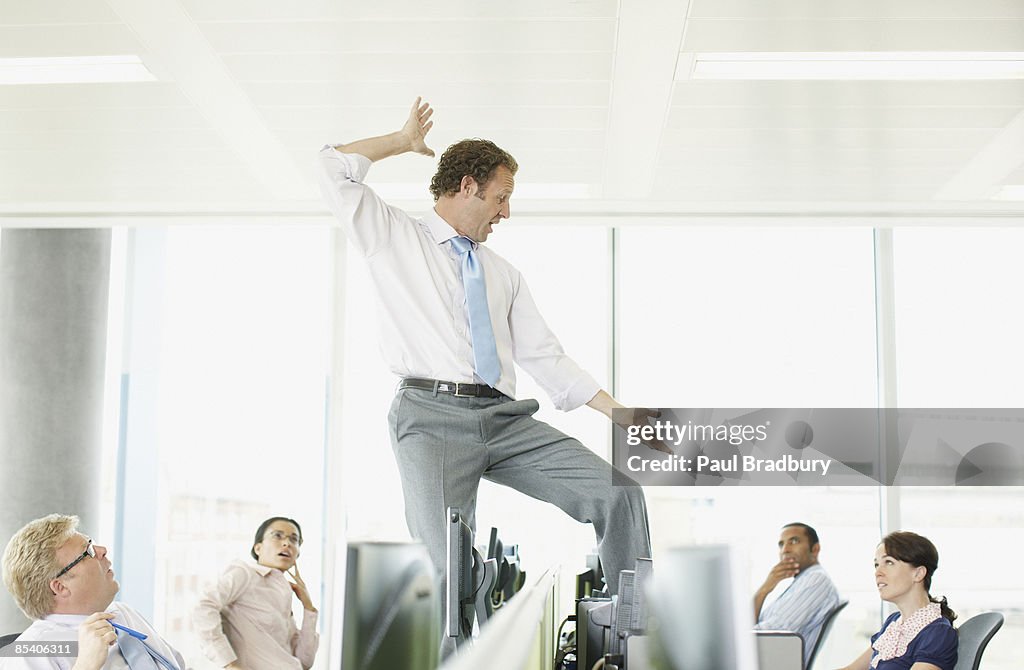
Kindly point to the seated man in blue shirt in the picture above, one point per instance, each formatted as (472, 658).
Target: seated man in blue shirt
(803, 606)
(65, 584)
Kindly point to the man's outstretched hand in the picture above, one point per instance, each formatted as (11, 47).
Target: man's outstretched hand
(624, 417)
(417, 126)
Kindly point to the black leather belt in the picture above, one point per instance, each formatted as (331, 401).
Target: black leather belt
(457, 389)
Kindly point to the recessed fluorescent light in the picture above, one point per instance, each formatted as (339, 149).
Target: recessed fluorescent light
(73, 70)
(868, 65)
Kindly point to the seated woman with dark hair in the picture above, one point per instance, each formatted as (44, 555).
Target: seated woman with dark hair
(245, 620)
(920, 636)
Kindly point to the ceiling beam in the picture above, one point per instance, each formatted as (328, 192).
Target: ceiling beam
(177, 49)
(647, 43)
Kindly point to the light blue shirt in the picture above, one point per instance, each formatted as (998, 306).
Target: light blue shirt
(802, 607)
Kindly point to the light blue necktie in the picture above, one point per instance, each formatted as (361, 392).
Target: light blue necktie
(485, 354)
(139, 655)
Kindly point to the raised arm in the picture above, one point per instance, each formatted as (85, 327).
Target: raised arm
(412, 137)
(368, 221)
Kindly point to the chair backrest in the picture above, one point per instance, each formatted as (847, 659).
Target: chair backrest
(7, 639)
(826, 626)
(779, 649)
(974, 635)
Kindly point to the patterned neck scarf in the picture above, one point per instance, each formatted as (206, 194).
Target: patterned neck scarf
(901, 632)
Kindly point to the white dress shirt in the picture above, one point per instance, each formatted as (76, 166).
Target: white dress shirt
(64, 628)
(424, 323)
(247, 616)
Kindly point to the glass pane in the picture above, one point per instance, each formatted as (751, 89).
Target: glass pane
(959, 322)
(959, 329)
(757, 318)
(976, 530)
(241, 413)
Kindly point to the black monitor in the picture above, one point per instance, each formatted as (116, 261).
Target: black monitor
(591, 581)
(459, 609)
(470, 578)
(516, 577)
(391, 603)
(510, 576)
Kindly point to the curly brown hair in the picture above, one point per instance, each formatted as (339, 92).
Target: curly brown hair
(475, 158)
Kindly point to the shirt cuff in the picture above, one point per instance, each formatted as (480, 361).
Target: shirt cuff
(577, 395)
(356, 165)
(221, 654)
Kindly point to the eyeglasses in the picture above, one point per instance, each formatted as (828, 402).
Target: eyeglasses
(280, 537)
(89, 551)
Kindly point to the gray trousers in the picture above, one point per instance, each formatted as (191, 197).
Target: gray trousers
(444, 445)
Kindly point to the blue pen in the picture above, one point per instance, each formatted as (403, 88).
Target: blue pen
(133, 633)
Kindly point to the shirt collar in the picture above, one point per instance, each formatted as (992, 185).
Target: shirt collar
(440, 229)
(260, 569)
(898, 635)
(74, 620)
(809, 568)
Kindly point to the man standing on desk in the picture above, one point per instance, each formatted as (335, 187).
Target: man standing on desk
(454, 317)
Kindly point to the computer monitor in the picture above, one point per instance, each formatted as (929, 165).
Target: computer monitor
(459, 606)
(700, 611)
(516, 576)
(590, 580)
(605, 625)
(470, 580)
(510, 576)
(391, 604)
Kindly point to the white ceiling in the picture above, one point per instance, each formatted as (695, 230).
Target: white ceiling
(582, 92)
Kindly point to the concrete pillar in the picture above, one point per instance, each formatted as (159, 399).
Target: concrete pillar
(53, 324)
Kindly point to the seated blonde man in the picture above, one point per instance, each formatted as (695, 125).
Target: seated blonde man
(65, 584)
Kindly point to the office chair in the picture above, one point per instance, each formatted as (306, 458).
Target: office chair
(7, 639)
(974, 635)
(826, 626)
(779, 649)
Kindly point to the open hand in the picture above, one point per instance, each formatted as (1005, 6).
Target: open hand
(417, 126)
(299, 588)
(784, 569)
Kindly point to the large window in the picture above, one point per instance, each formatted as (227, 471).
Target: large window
(226, 339)
(958, 334)
(226, 410)
(721, 318)
(958, 319)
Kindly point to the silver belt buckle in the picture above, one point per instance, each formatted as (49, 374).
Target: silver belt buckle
(458, 394)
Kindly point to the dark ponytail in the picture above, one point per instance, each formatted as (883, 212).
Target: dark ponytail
(944, 608)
